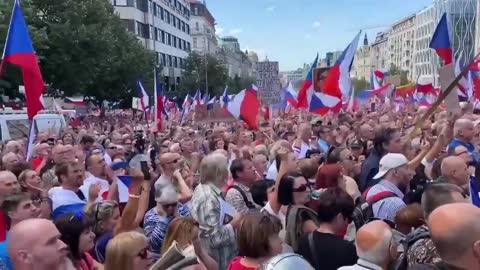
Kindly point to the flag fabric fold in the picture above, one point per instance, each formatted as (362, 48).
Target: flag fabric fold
(245, 106)
(441, 41)
(19, 51)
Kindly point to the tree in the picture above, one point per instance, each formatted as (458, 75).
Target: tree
(83, 47)
(194, 76)
(360, 84)
(237, 84)
(403, 74)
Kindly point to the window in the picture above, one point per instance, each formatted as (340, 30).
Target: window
(183, 27)
(180, 43)
(188, 46)
(161, 13)
(197, 27)
(169, 61)
(184, 45)
(130, 25)
(175, 62)
(120, 3)
(162, 35)
(174, 19)
(18, 129)
(175, 41)
(163, 60)
(143, 30)
(179, 25)
(167, 16)
(142, 5)
(194, 42)
(156, 33)
(154, 9)
(169, 39)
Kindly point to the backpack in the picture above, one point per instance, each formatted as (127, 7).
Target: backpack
(363, 212)
(418, 234)
(295, 217)
(248, 203)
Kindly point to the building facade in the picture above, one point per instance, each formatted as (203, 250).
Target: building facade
(203, 28)
(162, 26)
(426, 60)
(237, 62)
(401, 45)
(379, 51)
(362, 66)
(461, 17)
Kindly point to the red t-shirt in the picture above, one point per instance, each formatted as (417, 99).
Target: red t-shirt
(235, 264)
(36, 162)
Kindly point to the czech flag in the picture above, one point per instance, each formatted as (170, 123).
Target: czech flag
(19, 51)
(225, 99)
(441, 41)
(378, 77)
(158, 100)
(198, 97)
(307, 86)
(142, 94)
(337, 83)
(245, 106)
(291, 95)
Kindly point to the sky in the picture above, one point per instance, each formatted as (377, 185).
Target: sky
(293, 31)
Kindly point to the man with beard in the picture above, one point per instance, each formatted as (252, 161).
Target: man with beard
(386, 197)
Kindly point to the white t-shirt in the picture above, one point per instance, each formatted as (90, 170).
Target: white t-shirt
(105, 186)
(272, 171)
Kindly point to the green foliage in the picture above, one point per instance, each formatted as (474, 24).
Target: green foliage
(394, 70)
(360, 84)
(83, 47)
(237, 84)
(194, 75)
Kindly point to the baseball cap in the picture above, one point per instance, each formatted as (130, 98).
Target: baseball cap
(316, 121)
(356, 144)
(388, 162)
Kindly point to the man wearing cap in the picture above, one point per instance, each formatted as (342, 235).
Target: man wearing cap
(386, 197)
(319, 132)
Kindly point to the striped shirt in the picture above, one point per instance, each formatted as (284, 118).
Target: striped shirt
(388, 207)
(155, 227)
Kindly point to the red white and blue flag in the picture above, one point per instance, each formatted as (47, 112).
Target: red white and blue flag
(245, 106)
(225, 99)
(307, 87)
(142, 94)
(19, 51)
(158, 100)
(441, 41)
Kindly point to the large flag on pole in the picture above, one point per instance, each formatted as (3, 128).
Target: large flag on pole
(307, 86)
(158, 100)
(441, 41)
(142, 94)
(19, 51)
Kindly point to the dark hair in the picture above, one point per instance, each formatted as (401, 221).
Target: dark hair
(236, 167)
(438, 194)
(254, 233)
(87, 139)
(71, 226)
(285, 188)
(259, 191)
(62, 169)
(382, 137)
(313, 152)
(11, 202)
(20, 167)
(334, 155)
(436, 171)
(332, 202)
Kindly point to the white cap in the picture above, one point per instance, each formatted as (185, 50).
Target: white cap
(388, 162)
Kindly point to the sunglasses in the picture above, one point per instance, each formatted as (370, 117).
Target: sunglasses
(301, 188)
(461, 153)
(143, 254)
(172, 162)
(112, 148)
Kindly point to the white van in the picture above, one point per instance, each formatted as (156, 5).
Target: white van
(14, 124)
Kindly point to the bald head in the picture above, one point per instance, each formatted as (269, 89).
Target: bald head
(36, 242)
(9, 160)
(455, 169)
(463, 129)
(455, 231)
(12, 146)
(373, 242)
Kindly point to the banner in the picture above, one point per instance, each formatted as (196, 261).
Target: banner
(206, 114)
(319, 76)
(447, 75)
(268, 83)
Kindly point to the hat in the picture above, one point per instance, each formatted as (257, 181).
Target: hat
(356, 144)
(388, 162)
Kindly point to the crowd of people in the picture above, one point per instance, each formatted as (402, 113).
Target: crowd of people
(355, 190)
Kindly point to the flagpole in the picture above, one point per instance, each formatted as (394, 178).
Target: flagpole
(2, 65)
(155, 97)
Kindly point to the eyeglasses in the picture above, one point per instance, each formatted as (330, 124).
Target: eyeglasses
(143, 254)
(172, 162)
(112, 148)
(301, 188)
(463, 152)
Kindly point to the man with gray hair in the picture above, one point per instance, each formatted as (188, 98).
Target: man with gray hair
(375, 247)
(463, 132)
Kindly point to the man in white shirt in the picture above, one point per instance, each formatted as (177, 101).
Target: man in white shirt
(110, 151)
(302, 143)
(96, 169)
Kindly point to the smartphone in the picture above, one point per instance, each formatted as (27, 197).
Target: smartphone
(145, 170)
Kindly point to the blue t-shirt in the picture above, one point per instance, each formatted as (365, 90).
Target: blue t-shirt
(471, 148)
(101, 247)
(5, 263)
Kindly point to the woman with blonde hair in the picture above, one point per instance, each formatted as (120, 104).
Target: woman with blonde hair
(184, 231)
(128, 250)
